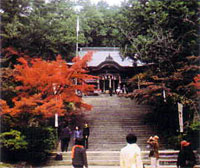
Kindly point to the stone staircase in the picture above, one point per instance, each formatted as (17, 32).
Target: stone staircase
(110, 120)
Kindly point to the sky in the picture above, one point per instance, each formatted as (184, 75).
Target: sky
(110, 2)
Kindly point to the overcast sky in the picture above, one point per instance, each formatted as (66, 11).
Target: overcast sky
(110, 2)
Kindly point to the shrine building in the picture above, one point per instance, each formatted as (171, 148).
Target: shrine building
(112, 70)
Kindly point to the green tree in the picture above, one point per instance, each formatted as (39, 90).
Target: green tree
(39, 28)
(98, 24)
(44, 30)
(163, 34)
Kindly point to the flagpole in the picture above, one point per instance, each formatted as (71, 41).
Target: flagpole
(77, 30)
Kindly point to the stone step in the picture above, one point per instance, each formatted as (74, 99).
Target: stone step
(109, 158)
(113, 146)
(92, 166)
(110, 162)
(121, 133)
(103, 123)
(123, 110)
(104, 138)
(115, 155)
(163, 153)
(102, 126)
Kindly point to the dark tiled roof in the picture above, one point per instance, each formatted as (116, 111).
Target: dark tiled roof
(102, 53)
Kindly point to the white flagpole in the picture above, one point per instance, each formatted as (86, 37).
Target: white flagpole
(77, 24)
(77, 30)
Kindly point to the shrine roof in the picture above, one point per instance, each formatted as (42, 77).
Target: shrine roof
(102, 54)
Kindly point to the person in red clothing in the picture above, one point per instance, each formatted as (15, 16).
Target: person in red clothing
(79, 157)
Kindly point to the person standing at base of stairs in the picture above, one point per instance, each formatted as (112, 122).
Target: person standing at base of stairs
(86, 134)
(79, 157)
(65, 138)
(154, 154)
(186, 157)
(130, 155)
(78, 134)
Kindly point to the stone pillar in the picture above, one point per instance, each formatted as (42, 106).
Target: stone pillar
(104, 85)
(113, 85)
(119, 84)
(110, 82)
(98, 83)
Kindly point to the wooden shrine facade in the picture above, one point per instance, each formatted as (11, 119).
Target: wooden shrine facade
(112, 70)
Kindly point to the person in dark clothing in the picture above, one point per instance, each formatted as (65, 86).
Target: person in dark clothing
(79, 157)
(186, 157)
(86, 134)
(65, 138)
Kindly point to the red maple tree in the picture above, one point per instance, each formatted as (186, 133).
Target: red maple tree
(196, 83)
(47, 86)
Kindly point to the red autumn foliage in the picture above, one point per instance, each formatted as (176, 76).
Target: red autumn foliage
(196, 83)
(46, 86)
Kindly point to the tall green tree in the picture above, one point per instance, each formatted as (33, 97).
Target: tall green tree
(163, 34)
(40, 28)
(98, 24)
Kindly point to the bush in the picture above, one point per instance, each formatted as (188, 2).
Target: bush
(13, 141)
(31, 144)
(191, 134)
(41, 141)
(13, 144)
(174, 141)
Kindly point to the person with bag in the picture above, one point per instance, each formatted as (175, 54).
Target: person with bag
(154, 154)
(86, 134)
(79, 157)
(186, 157)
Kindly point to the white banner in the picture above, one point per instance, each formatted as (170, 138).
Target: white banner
(164, 95)
(180, 116)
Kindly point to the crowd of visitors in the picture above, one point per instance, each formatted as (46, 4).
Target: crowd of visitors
(130, 155)
(66, 134)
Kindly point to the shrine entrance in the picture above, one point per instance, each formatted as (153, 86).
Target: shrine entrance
(108, 81)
